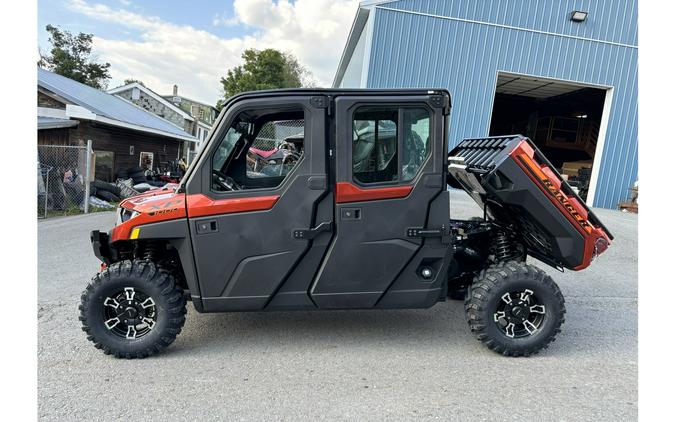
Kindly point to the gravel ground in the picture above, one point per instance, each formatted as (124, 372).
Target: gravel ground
(345, 365)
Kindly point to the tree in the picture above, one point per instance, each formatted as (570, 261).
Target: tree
(70, 56)
(130, 81)
(264, 69)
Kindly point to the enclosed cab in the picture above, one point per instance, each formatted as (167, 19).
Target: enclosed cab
(332, 199)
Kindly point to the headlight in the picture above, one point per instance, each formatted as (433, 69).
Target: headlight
(125, 214)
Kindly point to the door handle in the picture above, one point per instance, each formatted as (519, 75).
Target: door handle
(350, 214)
(303, 234)
(209, 226)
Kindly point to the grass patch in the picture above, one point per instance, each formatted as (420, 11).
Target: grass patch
(74, 210)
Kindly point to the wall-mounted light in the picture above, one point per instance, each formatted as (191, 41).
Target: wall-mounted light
(578, 16)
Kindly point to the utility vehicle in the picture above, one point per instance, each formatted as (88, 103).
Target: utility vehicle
(355, 215)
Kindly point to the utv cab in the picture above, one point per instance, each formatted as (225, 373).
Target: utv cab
(338, 199)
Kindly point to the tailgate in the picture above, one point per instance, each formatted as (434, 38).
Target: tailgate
(520, 190)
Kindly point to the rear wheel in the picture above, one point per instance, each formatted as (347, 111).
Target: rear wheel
(515, 309)
(132, 309)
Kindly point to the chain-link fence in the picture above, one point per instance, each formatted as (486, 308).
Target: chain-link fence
(273, 133)
(63, 179)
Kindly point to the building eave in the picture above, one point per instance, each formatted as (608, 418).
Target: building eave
(54, 123)
(204, 125)
(358, 26)
(81, 113)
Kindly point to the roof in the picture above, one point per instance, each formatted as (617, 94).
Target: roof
(358, 26)
(112, 109)
(54, 123)
(154, 95)
(334, 92)
(169, 97)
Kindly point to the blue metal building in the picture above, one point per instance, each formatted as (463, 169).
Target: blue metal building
(481, 49)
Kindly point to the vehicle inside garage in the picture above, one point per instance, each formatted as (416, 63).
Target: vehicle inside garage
(562, 118)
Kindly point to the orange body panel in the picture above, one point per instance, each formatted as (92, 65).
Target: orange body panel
(154, 206)
(165, 204)
(199, 205)
(346, 192)
(570, 207)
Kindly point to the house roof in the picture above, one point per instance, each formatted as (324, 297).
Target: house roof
(170, 97)
(154, 95)
(54, 123)
(108, 108)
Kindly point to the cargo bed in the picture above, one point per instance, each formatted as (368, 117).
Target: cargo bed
(521, 191)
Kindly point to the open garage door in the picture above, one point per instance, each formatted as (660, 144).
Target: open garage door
(565, 120)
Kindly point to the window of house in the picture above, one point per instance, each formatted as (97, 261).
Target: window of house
(146, 160)
(259, 152)
(376, 145)
(104, 165)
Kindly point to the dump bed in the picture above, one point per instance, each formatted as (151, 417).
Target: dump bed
(521, 191)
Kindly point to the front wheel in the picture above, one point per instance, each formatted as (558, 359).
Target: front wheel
(132, 309)
(515, 309)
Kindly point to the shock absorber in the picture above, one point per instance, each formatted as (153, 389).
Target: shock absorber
(151, 251)
(504, 247)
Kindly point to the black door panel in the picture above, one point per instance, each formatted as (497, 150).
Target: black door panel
(370, 249)
(248, 256)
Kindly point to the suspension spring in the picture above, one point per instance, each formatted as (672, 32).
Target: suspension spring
(151, 251)
(503, 247)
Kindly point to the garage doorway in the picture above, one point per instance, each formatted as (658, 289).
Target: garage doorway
(566, 120)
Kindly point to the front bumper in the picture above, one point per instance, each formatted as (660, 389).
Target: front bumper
(100, 242)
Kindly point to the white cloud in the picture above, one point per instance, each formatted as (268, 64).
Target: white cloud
(313, 30)
(223, 20)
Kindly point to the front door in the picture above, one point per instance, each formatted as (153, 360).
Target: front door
(390, 154)
(260, 183)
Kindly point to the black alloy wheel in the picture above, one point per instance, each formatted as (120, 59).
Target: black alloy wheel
(133, 309)
(514, 309)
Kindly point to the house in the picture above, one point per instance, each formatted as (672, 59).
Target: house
(204, 114)
(563, 73)
(186, 117)
(123, 134)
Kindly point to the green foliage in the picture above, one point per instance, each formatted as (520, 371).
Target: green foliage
(264, 69)
(70, 56)
(219, 105)
(130, 81)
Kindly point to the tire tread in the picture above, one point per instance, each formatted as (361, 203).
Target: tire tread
(148, 271)
(491, 279)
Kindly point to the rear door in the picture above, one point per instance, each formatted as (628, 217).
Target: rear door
(247, 241)
(390, 155)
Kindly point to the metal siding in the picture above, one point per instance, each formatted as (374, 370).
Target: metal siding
(412, 50)
(609, 20)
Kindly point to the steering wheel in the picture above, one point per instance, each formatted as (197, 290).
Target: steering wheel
(225, 181)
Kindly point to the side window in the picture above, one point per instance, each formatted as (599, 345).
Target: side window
(276, 149)
(376, 145)
(258, 150)
(415, 123)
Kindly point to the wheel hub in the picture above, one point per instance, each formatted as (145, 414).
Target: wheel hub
(129, 313)
(519, 314)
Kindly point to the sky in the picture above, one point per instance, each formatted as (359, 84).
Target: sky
(193, 43)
